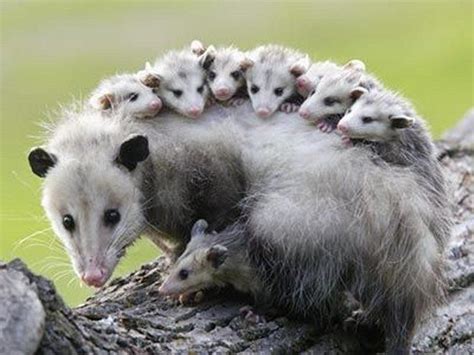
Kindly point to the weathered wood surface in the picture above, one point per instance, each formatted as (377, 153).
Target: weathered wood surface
(129, 316)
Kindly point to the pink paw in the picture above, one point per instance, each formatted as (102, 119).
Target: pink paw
(248, 313)
(325, 127)
(236, 101)
(288, 107)
(346, 141)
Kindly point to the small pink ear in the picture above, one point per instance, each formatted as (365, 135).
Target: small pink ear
(355, 64)
(358, 92)
(197, 47)
(106, 101)
(298, 68)
(246, 63)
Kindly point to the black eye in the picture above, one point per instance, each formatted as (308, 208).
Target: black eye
(200, 89)
(254, 89)
(177, 93)
(133, 96)
(235, 75)
(211, 75)
(278, 91)
(348, 111)
(329, 101)
(367, 119)
(68, 222)
(312, 92)
(183, 274)
(111, 217)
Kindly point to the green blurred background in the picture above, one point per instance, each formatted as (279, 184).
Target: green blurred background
(52, 51)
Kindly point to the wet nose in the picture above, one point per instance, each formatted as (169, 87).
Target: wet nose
(303, 113)
(223, 92)
(94, 277)
(155, 105)
(263, 112)
(302, 82)
(342, 127)
(194, 111)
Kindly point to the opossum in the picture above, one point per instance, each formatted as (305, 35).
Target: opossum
(307, 82)
(180, 81)
(212, 260)
(335, 93)
(271, 77)
(107, 181)
(225, 69)
(125, 92)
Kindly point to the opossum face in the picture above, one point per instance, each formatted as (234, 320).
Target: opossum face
(225, 71)
(373, 121)
(197, 268)
(269, 85)
(334, 94)
(128, 95)
(95, 209)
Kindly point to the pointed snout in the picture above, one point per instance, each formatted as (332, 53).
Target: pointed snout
(223, 93)
(302, 82)
(94, 276)
(194, 111)
(155, 105)
(263, 112)
(342, 127)
(304, 113)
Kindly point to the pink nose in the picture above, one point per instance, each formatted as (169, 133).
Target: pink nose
(263, 112)
(342, 127)
(223, 92)
(194, 111)
(304, 113)
(94, 277)
(155, 105)
(302, 82)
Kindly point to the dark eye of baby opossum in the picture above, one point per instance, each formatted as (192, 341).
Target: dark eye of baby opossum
(349, 110)
(177, 93)
(211, 75)
(133, 96)
(367, 119)
(235, 75)
(254, 89)
(183, 274)
(329, 101)
(68, 222)
(111, 217)
(200, 89)
(278, 91)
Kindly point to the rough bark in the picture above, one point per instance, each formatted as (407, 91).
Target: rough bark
(129, 315)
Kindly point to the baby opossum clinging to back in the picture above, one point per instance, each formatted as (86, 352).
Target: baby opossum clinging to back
(180, 81)
(225, 69)
(271, 77)
(335, 93)
(125, 92)
(212, 260)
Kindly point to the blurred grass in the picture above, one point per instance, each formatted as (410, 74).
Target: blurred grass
(54, 50)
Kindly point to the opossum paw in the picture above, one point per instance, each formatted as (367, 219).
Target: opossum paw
(325, 127)
(288, 107)
(346, 141)
(237, 101)
(191, 298)
(249, 314)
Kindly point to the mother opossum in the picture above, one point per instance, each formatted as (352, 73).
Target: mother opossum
(321, 218)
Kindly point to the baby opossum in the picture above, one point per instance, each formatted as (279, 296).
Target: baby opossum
(271, 78)
(335, 93)
(125, 92)
(213, 260)
(180, 81)
(307, 82)
(225, 69)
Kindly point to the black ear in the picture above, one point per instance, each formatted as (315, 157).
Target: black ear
(133, 151)
(216, 255)
(199, 228)
(207, 58)
(41, 161)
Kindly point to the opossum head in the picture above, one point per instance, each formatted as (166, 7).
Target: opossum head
(225, 69)
(180, 81)
(335, 93)
(376, 116)
(307, 82)
(127, 94)
(93, 200)
(271, 77)
(198, 266)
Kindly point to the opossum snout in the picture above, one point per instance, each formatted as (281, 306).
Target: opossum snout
(304, 113)
(302, 82)
(263, 112)
(155, 105)
(94, 276)
(194, 111)
(342, 127)
(222, 93)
